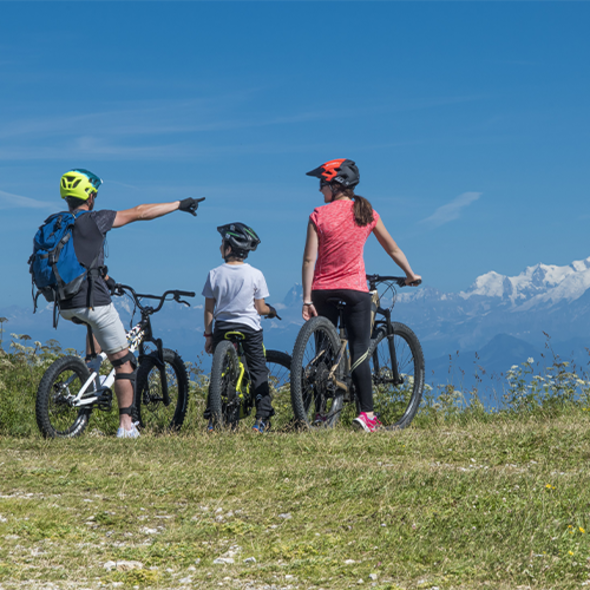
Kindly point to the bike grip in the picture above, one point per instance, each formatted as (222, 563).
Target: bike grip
(185, 293)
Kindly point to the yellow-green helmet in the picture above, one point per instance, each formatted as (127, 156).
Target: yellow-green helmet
(79, 183)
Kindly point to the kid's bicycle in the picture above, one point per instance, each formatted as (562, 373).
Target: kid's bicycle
(321, 382)
(230, 395)
(70, 389)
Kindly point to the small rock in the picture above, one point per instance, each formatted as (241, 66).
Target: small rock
(250, 560)
(232, 551)
(186, 580)
(373, 577)
(147, 531)
(349, 561)
(223, 560)
(361, 581)
(198, 560)
(109, 565)
(285, 515)
(191, 568)
(125, 566)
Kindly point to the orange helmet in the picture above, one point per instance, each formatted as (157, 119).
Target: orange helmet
(342, 171)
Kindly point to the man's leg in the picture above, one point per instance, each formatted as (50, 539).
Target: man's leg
(109, 334)
(124, 365)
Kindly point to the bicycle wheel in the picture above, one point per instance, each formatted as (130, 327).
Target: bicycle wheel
(224, 404)
(279, 373)
(150, 408)
(57, 417)
(316, 401)
(397, 403)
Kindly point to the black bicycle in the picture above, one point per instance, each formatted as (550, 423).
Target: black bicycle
(70, 388)
(231, 397)
(321, 382)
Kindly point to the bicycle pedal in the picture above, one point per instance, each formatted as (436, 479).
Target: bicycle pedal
(104, 401)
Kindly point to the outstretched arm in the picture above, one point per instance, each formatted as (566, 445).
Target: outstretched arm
(309, 257)
(154, 210)
(389, 245)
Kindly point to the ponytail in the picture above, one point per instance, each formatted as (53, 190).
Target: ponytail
(363, 211)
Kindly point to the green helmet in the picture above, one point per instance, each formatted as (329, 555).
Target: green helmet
(79, 184)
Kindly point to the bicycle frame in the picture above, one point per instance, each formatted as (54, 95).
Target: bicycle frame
(243, 382)
(396, 379)
(137, 337)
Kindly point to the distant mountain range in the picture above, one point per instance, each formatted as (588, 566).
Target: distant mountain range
(502, 319)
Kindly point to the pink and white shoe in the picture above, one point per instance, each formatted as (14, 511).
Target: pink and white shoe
(366, 423)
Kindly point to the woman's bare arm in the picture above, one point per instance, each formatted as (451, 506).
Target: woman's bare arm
(309, 257)
(389, 245)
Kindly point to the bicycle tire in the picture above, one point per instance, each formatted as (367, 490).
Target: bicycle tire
(397, 405)
(223, 402)
(56, 417)
(149, 407)
(279, 374)
(316, 403)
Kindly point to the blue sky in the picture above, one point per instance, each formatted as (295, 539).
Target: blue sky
(469, 123)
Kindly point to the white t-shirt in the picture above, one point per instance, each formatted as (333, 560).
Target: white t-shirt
(234, 288)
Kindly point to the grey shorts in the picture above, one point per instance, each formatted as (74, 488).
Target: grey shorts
(105, 323)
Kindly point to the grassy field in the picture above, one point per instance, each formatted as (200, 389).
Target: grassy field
(500, 503)
(462, 499)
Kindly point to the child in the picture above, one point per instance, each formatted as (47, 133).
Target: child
(234, 295)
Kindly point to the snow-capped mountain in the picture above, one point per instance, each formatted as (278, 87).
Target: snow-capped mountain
(537, 286)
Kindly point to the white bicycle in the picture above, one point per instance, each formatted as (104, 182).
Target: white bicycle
(70, 389)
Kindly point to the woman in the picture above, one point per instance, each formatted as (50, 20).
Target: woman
(333, 266)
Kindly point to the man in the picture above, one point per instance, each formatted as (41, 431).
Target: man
(92, 304)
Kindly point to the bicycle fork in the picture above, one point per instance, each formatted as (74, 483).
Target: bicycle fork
(396, 377)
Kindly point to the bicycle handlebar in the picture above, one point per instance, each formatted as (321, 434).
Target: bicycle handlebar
(176, 295)
(400, 281)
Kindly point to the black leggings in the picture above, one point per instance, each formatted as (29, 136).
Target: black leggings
(357, 321)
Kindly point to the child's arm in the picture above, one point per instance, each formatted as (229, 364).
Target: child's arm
(264, 309)
(209, 309)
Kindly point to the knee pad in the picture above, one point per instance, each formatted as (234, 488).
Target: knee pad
(128, 376)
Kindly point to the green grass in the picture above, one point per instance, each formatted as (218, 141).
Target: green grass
(500, 504)
(462, 499)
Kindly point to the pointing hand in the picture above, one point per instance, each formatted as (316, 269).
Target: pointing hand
(190, 205)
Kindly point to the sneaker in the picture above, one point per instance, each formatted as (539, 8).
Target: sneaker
(320, 419)
(210, 426)
(366, 423)
(133, 433)
(261, 426)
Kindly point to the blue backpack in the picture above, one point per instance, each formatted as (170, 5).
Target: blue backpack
(56, 272)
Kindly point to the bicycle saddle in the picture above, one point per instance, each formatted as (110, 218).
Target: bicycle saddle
(234, 336)
(336, 302)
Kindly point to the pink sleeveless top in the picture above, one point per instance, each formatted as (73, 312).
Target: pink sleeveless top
(340, 263)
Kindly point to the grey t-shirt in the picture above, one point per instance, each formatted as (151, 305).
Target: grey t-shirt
(89, 235)
(234, 288)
